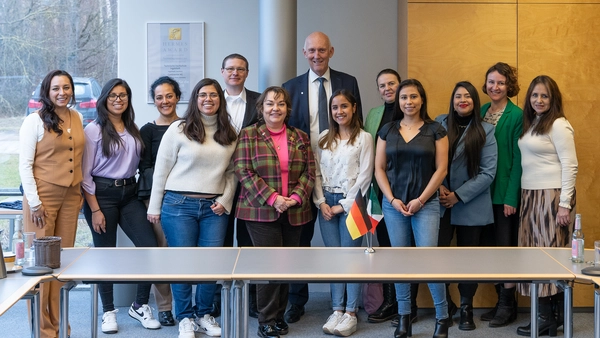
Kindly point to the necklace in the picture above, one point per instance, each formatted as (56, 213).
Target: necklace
(410, 127)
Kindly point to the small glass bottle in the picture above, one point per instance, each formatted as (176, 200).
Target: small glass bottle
(577, 244)
(18, 241)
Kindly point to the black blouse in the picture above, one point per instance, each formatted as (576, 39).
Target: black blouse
(411, 165)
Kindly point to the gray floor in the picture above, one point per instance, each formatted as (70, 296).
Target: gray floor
(14, 323)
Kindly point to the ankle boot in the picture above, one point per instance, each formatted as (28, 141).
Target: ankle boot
(389, 307)
(486, 317)
(441, 328)
(507, 309)
(414, 292)
(558, 308)
(404, 328)
(466, 318)
(546, 321)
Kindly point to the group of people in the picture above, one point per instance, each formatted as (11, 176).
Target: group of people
(269, 165)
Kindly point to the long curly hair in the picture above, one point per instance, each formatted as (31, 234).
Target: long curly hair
(47, 113)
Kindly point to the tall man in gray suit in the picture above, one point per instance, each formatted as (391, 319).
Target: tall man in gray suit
(241, 106)
(310, 114)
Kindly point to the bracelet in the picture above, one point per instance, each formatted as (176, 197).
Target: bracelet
(95, 211)
(421, 203)
(36, 208)
(392, 201)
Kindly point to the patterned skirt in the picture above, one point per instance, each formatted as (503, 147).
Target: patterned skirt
(538, 228)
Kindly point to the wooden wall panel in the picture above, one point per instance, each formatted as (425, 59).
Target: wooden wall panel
(448, 43)
(566, 47)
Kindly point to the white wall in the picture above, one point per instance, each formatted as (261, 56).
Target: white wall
(363, 33)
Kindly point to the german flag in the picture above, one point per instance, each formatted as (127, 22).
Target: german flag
(358, 221)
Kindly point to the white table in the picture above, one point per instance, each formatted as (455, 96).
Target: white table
(152, 265)
(443, 265)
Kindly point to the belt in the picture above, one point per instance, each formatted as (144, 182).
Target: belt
(119, 182)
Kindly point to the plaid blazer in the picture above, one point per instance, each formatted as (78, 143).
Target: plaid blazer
(258, 170)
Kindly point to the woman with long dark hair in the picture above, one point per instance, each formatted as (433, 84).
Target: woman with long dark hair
(51, 149)
(345, 157)
(193, 191)
(110, 162)
(549, 162)
(411, 162)
(465, 198)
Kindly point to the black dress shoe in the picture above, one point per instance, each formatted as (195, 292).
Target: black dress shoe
(466, 318)
(267, 331)
(282, 327)
(166, 318)
(216, 309)
(294, 313)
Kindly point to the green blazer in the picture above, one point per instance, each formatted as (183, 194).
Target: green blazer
(371, 125)
(506, 187)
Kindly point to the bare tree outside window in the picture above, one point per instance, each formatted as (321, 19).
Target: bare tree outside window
(36, 36)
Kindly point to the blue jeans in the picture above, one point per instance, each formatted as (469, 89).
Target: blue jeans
(189, 222)
(335, 234)
(120, 207)
(424, 225)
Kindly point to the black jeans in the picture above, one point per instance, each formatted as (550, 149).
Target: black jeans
(120, 206)
(272, 298)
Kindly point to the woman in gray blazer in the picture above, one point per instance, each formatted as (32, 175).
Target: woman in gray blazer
(465, 199)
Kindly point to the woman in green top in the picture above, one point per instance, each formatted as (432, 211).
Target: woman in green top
(500, 84)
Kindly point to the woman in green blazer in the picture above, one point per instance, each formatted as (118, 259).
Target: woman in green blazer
(500, 84)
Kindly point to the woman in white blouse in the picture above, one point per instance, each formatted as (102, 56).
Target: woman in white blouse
(346, 159)
(549, 166)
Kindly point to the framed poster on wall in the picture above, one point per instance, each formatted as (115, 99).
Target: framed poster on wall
(176, 50)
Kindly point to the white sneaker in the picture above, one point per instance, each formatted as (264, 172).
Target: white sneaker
(332, 322)
(208, 326)
(346, 326)
(187, 327)
(109, 322)
(144, 316)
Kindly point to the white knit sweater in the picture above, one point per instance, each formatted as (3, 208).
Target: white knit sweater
(187, 166)
(549, 161)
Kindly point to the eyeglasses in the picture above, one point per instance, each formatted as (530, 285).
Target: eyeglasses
(123, 97)
(203, 96)
(239, 69)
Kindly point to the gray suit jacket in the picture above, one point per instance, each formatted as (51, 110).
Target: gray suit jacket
(475, 207)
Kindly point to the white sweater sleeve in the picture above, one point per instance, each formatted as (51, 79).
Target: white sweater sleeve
(31, 132)
(562, 136)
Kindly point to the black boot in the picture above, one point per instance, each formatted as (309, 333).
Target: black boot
(466, 317)
(441, 328)
(546, 321)
(389, 307)
(507, 308)
(404, 328)
(414, 292)
(558, 308)
(486, 317)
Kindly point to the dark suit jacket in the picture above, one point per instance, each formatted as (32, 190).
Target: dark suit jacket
(298, 89)
(250, 116)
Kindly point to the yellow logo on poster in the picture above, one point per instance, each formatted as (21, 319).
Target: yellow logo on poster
(174, 33)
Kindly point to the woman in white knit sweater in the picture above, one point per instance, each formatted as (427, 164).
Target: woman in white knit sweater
(192, 193)
(549, 166)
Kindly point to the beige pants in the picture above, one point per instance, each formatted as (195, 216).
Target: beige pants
(62, 207)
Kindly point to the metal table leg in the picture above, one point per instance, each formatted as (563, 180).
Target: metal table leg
(34, 297)
(534, 309)
(94, 295)
(596, 312)
(568, 309)
(225, 309)
(64, 309)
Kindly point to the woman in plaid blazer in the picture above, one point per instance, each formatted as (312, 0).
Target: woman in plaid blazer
(276, 168)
